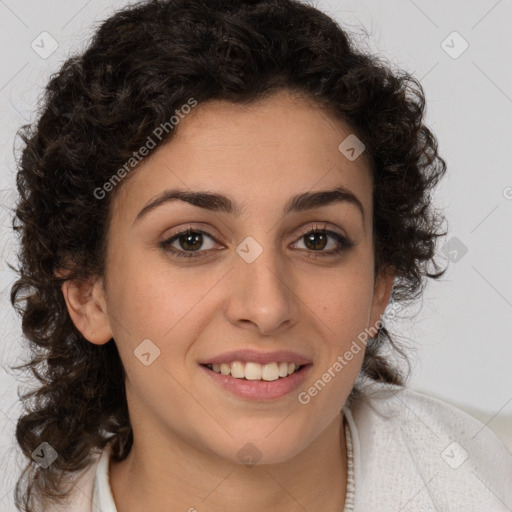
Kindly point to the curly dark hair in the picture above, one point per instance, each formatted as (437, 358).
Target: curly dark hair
(142, 64)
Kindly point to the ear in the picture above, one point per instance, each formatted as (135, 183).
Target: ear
(381, 294)
(85, 300)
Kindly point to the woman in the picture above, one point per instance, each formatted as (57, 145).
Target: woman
(220, 206)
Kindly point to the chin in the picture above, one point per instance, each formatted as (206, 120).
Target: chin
(264, 449)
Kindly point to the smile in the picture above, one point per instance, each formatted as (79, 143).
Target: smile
(254, 381)
(255, 371)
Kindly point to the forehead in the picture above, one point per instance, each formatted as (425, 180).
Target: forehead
(263, 152)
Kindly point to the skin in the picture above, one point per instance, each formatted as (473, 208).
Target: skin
(187, 431)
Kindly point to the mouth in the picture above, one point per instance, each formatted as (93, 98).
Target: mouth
(257, 382)
(253, 371)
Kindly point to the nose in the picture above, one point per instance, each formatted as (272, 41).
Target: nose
(263, 295)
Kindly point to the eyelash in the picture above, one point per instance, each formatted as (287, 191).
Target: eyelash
(344, 243)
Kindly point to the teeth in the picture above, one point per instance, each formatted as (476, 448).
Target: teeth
(255, 371)
(252, 371)
(270, 371)
(237, 370)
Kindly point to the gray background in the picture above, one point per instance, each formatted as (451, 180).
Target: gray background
(463, 345)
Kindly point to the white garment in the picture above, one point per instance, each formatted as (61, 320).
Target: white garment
(411, 453)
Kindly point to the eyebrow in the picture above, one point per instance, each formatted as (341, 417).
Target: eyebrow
(221, 203)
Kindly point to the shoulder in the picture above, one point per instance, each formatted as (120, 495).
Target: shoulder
(419, 451)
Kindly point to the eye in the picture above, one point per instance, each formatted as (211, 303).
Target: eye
(316, 240)
(188, 241)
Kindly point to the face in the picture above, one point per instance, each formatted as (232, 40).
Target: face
(251, 279)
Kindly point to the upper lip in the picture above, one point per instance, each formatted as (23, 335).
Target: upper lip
(258, 357)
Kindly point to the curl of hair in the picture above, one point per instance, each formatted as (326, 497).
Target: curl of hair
(143, 64)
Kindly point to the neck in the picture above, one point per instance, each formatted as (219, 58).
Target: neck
(187, 479)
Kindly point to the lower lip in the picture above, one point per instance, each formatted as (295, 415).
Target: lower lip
(259, 389)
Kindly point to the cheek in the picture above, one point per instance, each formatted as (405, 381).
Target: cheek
(149, 301)
(341, 314)
(342, 317)
(342, 299)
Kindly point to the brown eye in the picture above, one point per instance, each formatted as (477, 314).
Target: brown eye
(187, 243)
(316, 240)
